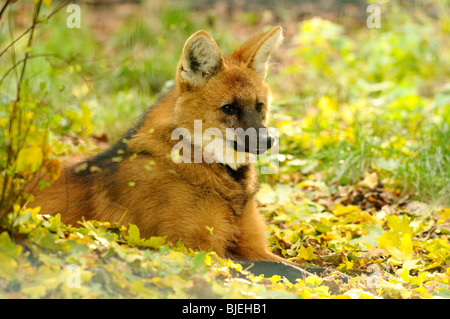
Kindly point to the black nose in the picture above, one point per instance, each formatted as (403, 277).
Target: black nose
(266, 141)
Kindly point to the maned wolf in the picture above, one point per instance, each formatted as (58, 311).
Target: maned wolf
(151, 179)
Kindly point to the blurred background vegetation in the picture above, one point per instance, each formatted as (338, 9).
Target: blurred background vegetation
(348, 99)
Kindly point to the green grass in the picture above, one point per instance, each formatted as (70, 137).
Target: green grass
(427, 171)
(372, 100)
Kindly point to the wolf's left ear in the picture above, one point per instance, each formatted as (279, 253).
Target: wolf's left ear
(201, 59)
(256, 52)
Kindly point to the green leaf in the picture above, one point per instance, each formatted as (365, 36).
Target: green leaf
(199, 262)
(7, 266)
(154, 242)
(34, 292)
(398, 245)
(388, 165)
(306, 253)
(322, 228)
(134, 239)
(54, 224)
(42, 85)
(134, 235)
(443, 292)
(399, 226)
(47, 240)
(126, 254)
(283, 192)
(8, 247)
(266, 195)
(373, 232)
(406, 247)
(30, 157)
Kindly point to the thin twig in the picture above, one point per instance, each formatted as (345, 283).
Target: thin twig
(11, 154)
(4, 8)
(11, 35)
(30, 41)
(57, 9)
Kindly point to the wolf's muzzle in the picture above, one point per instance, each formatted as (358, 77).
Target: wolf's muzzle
(254, 143)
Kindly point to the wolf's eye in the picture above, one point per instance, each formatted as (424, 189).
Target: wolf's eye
(259, 106)
(229, 109)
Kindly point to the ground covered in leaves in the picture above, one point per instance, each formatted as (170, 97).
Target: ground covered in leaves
(391, 247)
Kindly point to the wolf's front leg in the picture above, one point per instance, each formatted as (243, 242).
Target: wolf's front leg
(252, 243)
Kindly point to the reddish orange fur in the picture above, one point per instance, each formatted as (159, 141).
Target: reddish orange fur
(176, 200)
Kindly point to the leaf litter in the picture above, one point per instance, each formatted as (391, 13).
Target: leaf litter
(390, 247)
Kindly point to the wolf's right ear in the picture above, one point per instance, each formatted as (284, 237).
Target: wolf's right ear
(256, 52)
(200, 60)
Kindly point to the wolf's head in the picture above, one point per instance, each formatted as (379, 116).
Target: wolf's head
(225, 96)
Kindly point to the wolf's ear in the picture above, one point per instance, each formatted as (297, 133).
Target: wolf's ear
(200, 60)
(256, 52)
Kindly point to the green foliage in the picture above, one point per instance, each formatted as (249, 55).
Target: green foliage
(375, 100)
(134, 239)
(98, 260)
(307, 227)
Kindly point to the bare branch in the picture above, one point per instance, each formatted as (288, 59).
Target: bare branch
(68, 61)
(4, 8)
(56, 10)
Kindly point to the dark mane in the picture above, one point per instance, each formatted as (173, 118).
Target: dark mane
(108, 160)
